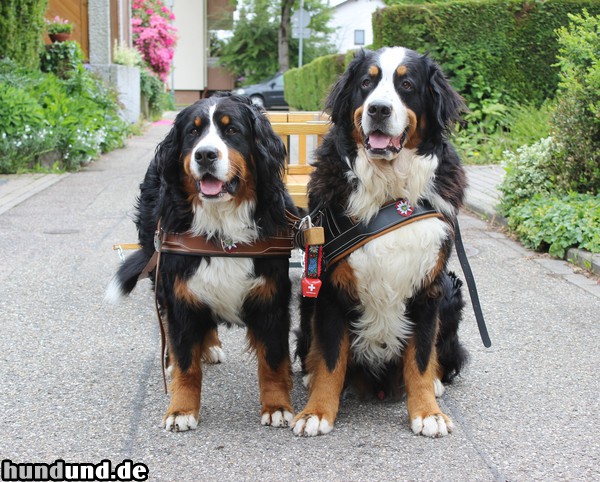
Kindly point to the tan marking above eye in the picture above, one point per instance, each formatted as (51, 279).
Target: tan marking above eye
(225, 120)
(197, 121)
(401, 70)
(373, 71)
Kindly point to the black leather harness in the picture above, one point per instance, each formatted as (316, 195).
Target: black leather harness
(344, 235)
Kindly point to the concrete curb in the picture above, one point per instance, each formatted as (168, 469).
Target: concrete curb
(19, 188)
(584, 259)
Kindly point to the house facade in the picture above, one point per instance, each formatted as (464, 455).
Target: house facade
(195, 74)
(99, 24)
(352, 23)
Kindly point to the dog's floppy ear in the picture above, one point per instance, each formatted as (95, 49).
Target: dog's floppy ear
(269, 158)
(168, 152)
(447, 105)
(339, 102)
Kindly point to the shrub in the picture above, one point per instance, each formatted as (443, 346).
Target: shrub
(517, 125)
(124, 55)
(25, 132)
(153, 90)
(61, 58)
(528, 172)
(153, 35)
(576, 120)
(556, 223)
(78, 116)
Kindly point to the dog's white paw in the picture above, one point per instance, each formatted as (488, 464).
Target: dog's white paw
(438, 387)
(311, 425)
(279, 418)
(180, 423)
(432, 426)
(215, 354)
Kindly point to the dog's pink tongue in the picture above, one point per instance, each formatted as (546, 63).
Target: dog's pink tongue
(379, 141)
(211, 186)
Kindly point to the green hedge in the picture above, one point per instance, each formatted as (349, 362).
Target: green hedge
(576, 119)
(306, 87)
(509, 46)
(21, 30)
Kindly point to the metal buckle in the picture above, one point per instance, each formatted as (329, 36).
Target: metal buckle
(157, 241)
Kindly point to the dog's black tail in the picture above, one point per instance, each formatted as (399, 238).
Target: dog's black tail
(452, 355)
(126, 277)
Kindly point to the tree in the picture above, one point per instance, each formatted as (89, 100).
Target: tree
(21, 29)
(283, 37)
(262, 45)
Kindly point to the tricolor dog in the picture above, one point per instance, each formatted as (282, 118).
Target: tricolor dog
(387, 314)
(214, 201)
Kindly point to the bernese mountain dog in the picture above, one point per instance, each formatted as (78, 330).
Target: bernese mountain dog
(217, 177)
(386, 318)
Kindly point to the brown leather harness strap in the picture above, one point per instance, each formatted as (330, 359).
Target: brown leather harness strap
(183, 243)
(279, 246)
(163, 333)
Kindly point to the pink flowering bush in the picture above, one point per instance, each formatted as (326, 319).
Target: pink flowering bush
(153, 35)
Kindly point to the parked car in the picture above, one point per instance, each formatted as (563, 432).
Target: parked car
(267, 94)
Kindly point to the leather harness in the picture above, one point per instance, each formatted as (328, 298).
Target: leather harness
(277, 246)
(342, 236)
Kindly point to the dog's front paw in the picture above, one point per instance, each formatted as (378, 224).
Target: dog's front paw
(179, 422)
(277, 418)
(309, 425)
(437, 425)
(215, 354)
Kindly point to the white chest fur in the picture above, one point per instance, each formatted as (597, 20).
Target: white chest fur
(223, 284)
(389, 270)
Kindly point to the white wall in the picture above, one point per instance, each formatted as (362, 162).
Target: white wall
(190, 59)
(353, 15)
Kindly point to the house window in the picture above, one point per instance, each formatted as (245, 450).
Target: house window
(359, 37)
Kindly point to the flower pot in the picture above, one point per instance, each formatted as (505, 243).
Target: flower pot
(59, 37)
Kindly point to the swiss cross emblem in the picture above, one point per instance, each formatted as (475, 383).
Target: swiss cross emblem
(310, 287)
(404, 208)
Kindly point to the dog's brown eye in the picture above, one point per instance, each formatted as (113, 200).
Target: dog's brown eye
(231, 131)
(195, 131)
(406, 85)
(366, 83)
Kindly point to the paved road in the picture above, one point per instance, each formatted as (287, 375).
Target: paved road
(80, 380)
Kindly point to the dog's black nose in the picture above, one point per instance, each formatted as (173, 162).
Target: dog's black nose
(379, 111)
(206, 156)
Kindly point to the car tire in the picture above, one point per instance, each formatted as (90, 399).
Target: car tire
(258, 100)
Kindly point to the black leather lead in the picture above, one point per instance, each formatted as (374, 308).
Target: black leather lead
(464, 263)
